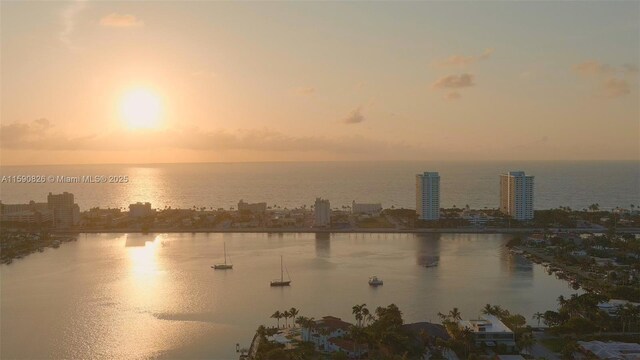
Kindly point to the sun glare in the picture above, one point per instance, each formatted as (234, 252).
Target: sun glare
(141, 109)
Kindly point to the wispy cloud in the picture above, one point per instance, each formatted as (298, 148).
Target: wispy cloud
(610, 79)
(462, 60)
(69, 17)
(454, 82)
(40, 135)
(613, 87)
(355, 117)
(116, 20)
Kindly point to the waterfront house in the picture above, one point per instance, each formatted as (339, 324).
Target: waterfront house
(327, 334)
(491, 331)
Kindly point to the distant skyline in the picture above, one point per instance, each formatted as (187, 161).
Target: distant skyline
(159, 82)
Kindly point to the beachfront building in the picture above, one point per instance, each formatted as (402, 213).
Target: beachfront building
(490, 331)
(516, 195)
(428, 196)
(66, 213)
(322, 213)
(366, 209)
(140, 210)
(254, 208)
(28, 214)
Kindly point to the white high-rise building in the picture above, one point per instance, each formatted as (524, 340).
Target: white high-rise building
(322, 212)
(516, 195)
(428, 196)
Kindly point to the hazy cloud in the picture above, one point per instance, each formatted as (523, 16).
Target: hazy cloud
(613, 87)
(461, 60)
(69, 15)
(591, 68)
(39, 135)
(454, 82)
(611, 80)
(116, 20)
(355, 117)
(596, 68)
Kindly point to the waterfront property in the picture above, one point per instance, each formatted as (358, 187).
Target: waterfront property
(140, 210)
(516, 195)
(428, 196)
(322, 213)
(66, 213)
(490, 330)
(254, 208)
(366, 209)
(328, 335)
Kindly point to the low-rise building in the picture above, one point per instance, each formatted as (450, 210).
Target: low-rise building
(366, 209)
(610, 350)
(476, 218)
(612, 306)
(327, 334)
(254, 208)
(490, 330)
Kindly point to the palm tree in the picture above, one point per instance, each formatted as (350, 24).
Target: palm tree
(286, 314)
(356, 310)
(455, 314)
(488, 309)
(293, 312)
(277, 315)
(538, 316)
(526, 342)
(365, 315)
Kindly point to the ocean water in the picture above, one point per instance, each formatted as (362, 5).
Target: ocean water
(134, 296)
(574, 184)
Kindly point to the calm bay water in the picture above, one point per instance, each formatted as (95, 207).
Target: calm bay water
(574, 184)
(141, 296)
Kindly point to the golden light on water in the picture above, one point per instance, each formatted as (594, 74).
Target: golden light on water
(141, 109)
(143, 259)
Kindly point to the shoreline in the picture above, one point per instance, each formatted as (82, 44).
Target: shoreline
(349, 231)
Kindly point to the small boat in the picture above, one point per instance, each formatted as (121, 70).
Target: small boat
(374, 281)
(224, 266)
(431, 264)
(282, 281)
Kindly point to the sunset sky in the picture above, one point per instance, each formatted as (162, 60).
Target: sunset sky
(138, 82)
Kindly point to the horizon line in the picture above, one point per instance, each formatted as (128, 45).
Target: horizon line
(319, 161)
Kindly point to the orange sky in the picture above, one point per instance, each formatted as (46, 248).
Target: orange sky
(318, 81)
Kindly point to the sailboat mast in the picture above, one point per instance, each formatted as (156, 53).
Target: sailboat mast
(281, 273)
(224, 245)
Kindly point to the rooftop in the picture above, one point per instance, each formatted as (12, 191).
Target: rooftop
(612, 350)
(488, 323)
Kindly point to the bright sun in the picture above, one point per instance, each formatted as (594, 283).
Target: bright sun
(141, 109)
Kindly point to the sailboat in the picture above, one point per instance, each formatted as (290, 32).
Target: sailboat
(281, 282)
(224, 266)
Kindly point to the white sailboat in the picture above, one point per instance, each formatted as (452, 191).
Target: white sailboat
(224, 266)
(282, 281)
